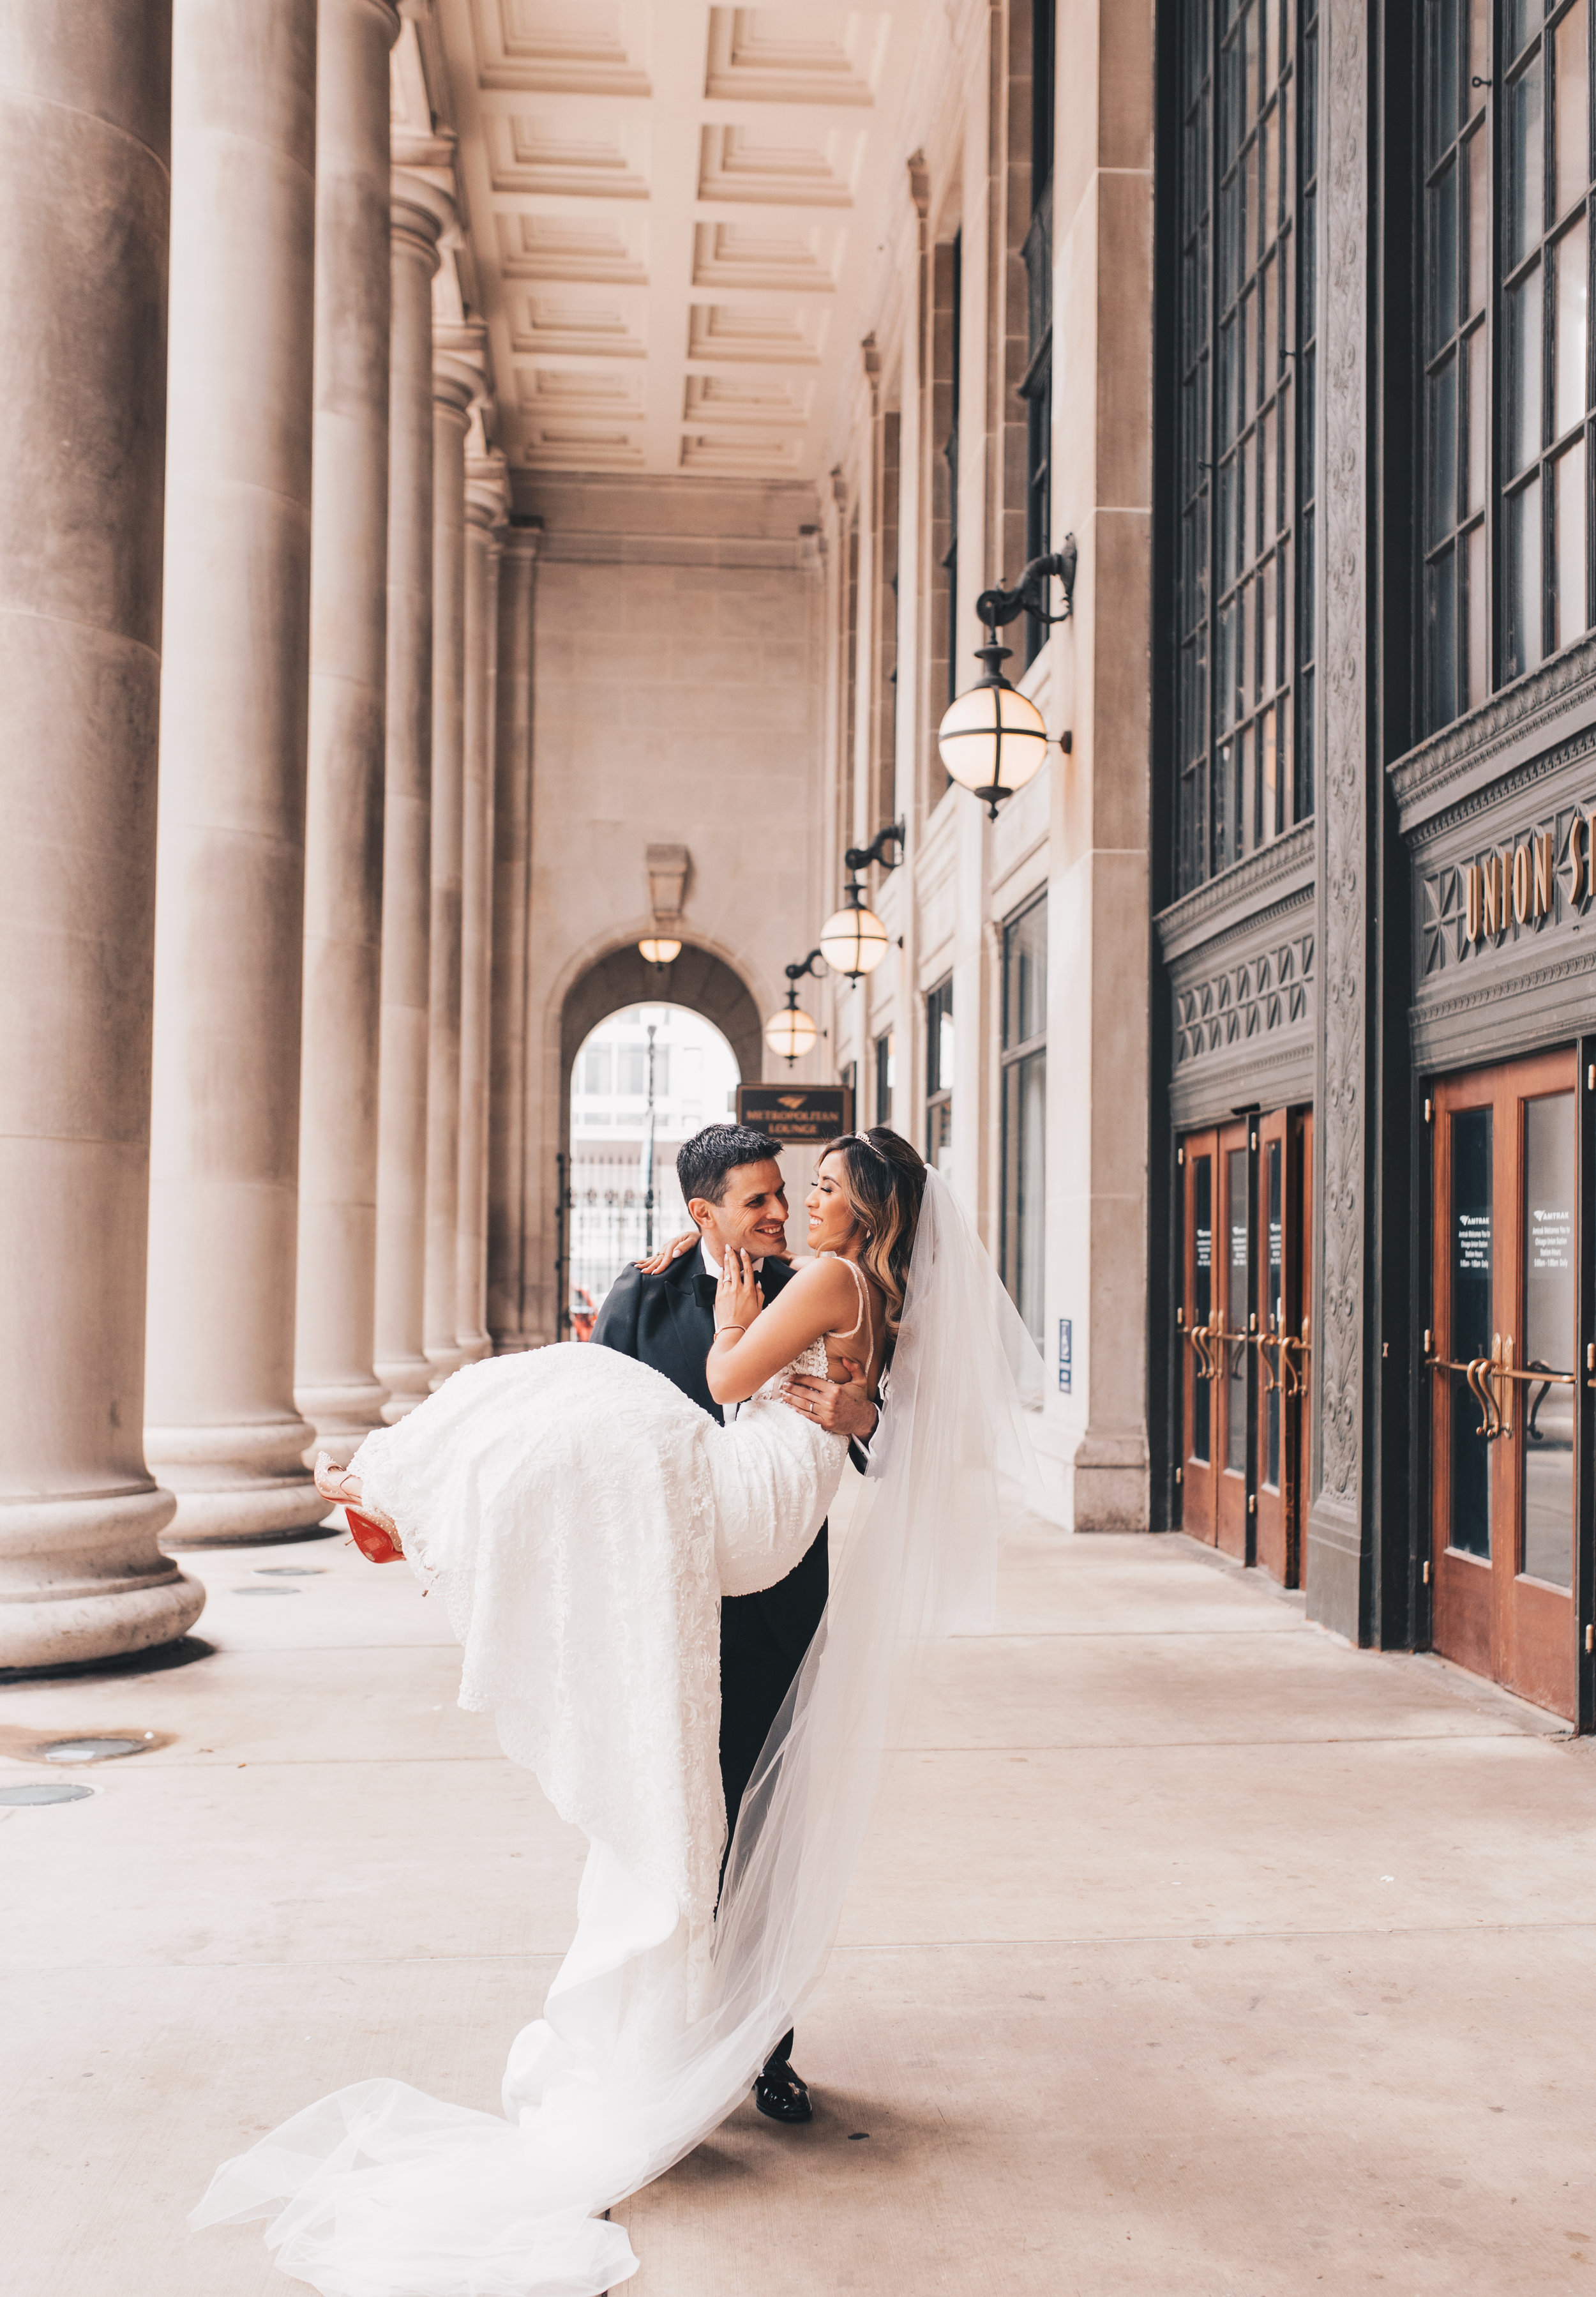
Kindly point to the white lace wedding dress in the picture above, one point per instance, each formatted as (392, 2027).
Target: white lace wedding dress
(581, 1519)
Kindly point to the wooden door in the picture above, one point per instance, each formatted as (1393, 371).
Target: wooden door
(1282, 1291)
(1231, 1354)
(1502, 1349)
(1199, 1158)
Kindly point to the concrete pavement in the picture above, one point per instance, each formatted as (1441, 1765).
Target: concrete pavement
(1192, 1951)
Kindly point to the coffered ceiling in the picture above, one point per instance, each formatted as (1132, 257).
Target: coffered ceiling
(674, 211)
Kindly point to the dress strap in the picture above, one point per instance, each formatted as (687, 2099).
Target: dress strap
(863, 1300)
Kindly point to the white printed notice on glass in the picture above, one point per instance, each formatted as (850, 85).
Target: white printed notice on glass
(1474, 1244)
(1550, 1237)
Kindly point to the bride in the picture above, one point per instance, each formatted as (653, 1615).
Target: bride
(582, 1518)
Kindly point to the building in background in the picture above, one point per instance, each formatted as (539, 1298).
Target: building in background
(712, 371)
(644, 1081)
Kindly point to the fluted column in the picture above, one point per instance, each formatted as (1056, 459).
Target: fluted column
(83, 187)
(512, 896)
(486, 506)
(455, 386)
(417, 218)
(335, 1385)
(229, 930)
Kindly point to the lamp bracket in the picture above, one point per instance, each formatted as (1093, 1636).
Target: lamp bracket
(860, 857)
(1029, 595)
(813, 963)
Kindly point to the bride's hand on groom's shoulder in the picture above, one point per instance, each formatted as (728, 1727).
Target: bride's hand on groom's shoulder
(661, 1261)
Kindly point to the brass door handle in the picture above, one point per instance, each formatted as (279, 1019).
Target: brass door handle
(1477, 1371)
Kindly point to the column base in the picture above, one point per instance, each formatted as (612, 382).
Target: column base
(440, 1364)
(83, 1580)
(408, 1380)
(342, 1418)
(1094, 1482)
(237, 1487)
(473, 1346)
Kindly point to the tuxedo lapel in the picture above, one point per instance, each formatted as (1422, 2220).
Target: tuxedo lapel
(694, 1330)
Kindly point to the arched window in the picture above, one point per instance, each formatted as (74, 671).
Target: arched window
(645, 1080)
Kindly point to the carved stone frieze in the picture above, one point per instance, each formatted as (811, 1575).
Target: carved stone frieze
(1550, 711)
(1240, 894)
(1259, 995)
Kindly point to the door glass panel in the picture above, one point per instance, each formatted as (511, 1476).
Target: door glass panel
(1549, 1339)
(1273, 1305)
(1240, 1294)
(1202, 1225)
(1471, 1272)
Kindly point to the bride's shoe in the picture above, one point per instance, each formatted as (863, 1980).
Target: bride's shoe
(376, 1536)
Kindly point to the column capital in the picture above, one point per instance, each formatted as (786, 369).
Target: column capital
(460, 365)
(486, 490)
(422, 212)
(386, 13)
(523, 537)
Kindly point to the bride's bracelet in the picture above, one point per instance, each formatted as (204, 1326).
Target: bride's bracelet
(729, 1328)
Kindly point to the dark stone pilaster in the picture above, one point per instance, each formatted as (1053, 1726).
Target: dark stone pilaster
(1339, 1542)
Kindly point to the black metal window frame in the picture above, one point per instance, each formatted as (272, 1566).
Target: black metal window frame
(950, 457)
(1024, 1050)
(1246, 187)
(939, 1090)
(1036, 388)
(885, 1065)
(1504, 511)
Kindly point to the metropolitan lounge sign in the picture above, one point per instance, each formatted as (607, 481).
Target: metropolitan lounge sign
(813, 1113)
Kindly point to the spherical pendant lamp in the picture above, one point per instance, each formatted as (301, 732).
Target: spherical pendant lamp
(791, 1033)
(659, 952)
(992, 738)
(853, 941)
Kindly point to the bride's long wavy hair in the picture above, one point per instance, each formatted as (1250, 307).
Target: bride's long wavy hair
(883, 1179)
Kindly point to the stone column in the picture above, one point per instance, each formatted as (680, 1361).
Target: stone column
(229, 928)
(512, 901)
(455, 387)
(335, 1385)
(417, 218)
(84, 112)
(486, 506)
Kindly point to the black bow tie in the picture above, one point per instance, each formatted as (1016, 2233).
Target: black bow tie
(703, 1285)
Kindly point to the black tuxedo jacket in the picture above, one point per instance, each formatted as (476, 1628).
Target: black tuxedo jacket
(668, 1321)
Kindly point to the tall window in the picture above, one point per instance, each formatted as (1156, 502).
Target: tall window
(886, 1075)
(1246, 351)
(939, 1077)
(950, 458)
(1037, 388)
(1507, 131)
(1024, 1059)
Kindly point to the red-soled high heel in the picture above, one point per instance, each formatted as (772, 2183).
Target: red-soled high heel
(379, 1546)
(376, 1538)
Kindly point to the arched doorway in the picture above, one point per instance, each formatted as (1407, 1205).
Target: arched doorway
(610, 1008)
(644, 1080)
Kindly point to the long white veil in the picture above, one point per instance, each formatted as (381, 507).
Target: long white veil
(389, 2193)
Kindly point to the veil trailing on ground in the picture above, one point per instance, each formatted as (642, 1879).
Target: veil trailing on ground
(647, 2042)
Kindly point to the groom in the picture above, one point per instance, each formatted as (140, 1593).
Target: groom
(731, 1183)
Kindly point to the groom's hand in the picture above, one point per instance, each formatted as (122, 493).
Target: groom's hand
(842, 1408)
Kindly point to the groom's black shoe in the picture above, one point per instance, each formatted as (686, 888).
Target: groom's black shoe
(780, 2094)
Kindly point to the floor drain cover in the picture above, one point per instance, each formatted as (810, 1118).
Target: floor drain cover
(90, 1750)
(57, 1790)
(265, 1591)
(290, 1571)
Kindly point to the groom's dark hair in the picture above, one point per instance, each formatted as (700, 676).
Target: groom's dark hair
(703, 1163)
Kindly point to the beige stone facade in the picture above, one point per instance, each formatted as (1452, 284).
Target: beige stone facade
(556, 468)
